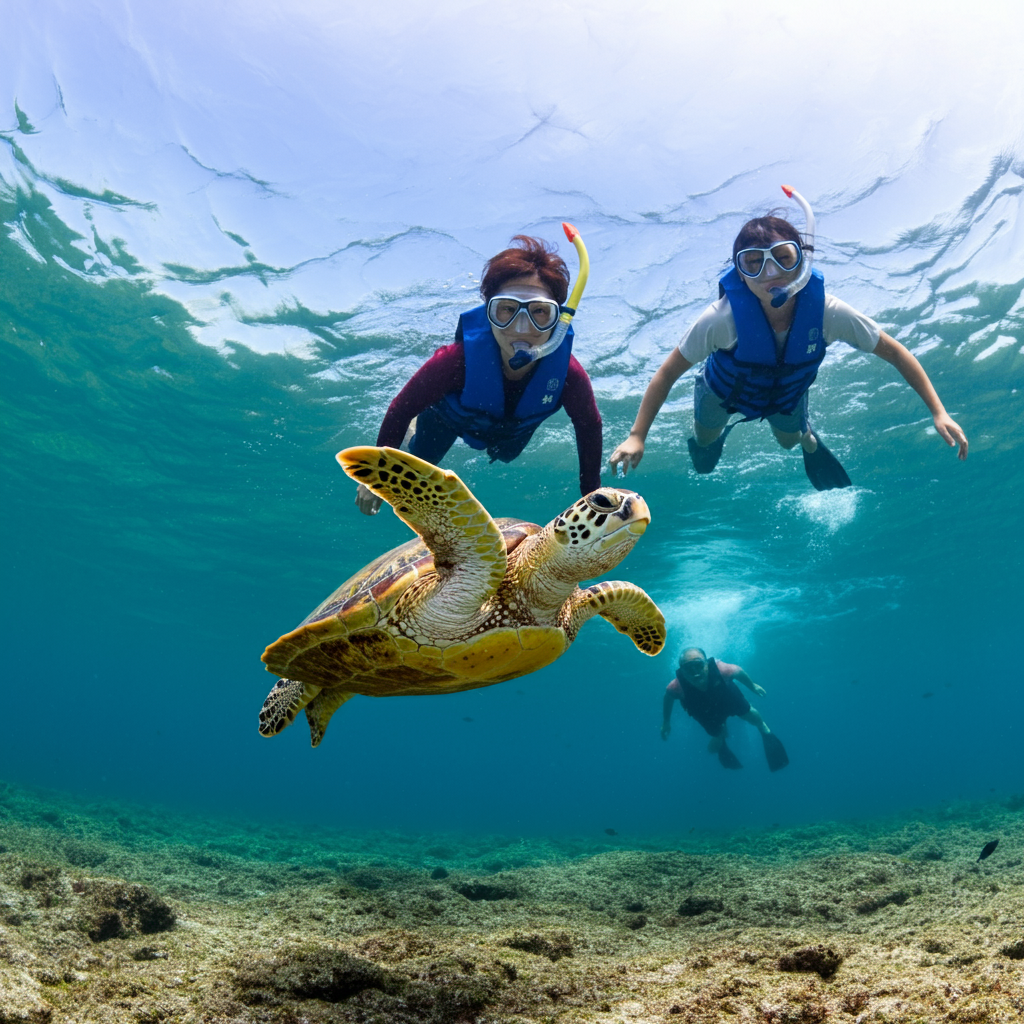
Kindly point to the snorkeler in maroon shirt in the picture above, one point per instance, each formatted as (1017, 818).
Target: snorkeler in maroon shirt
(509, 368)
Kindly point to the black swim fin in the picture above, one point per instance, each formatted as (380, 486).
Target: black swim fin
(774, 751)
(705, 459)
(823, 469)
(727, 758)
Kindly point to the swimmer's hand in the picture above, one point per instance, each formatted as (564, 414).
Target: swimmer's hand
(665, 730)
(950, 432)
(627, 456)
(758, 690)
(367, 502)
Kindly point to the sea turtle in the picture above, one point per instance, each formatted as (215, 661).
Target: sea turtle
(474, 601)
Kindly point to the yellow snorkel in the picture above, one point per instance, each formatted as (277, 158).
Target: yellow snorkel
(535, 352)
(569, 310)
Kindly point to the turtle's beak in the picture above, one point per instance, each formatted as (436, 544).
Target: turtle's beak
(637, 514)
(637, 518)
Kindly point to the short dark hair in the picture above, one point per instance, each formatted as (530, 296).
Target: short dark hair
(528, 256)
(761, 232)
(682, 657)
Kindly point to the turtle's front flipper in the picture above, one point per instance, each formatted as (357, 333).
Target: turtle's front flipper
(468, 548)
(283, 703)
(625, 606)
(320, 709)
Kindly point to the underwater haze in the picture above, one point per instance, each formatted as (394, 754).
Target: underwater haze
(232, 231)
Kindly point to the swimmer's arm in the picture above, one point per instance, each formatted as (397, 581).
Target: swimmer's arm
(913, 373)
(581, 406)
(443, 372)
(631, 451)
(666, 714)
(742, 677)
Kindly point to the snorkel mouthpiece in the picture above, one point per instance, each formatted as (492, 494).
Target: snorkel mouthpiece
(781, 295)
(526, 354)
(522, 356)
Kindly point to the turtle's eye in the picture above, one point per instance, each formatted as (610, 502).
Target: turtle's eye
(600, 502)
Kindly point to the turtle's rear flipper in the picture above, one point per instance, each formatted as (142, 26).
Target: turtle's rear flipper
(625, 606)
(283, 703)
(320, 709)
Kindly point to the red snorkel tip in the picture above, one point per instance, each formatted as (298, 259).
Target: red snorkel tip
(570, 232)
(788, 189)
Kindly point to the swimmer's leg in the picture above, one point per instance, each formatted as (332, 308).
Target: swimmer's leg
(705, 457)
(790, 440)
(705, 436)
(433, 437)
(753, 716)
(717, 745)
(709, 415)
(792, 429)
(823, 469)
(774, 751)
(716, 741)
(410, 433)
(510, 449)
(710, 419)
(727, 759)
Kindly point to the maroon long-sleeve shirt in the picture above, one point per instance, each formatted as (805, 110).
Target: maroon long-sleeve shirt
(445, 372)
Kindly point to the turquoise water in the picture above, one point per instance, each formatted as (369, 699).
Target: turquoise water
(229, 239)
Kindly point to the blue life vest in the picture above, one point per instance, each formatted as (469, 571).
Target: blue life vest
(478, 413)
(754, 378)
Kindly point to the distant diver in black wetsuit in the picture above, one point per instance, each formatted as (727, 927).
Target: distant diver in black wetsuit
(706, 687)
(761, 345)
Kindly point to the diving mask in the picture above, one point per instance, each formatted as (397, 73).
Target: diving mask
(787, 256)
(503, 310)
(526, 353)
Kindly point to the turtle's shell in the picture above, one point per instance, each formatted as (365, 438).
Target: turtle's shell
(356, 640)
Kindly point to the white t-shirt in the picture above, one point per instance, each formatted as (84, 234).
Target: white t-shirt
(715, 328)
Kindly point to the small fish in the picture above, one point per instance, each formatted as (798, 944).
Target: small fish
(928, 694)
(988, 849)
(610, 832)
(467, 719)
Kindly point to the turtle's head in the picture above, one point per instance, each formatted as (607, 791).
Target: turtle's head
(597, 532)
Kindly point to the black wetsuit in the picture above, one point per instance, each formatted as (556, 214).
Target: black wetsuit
(711, 707)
